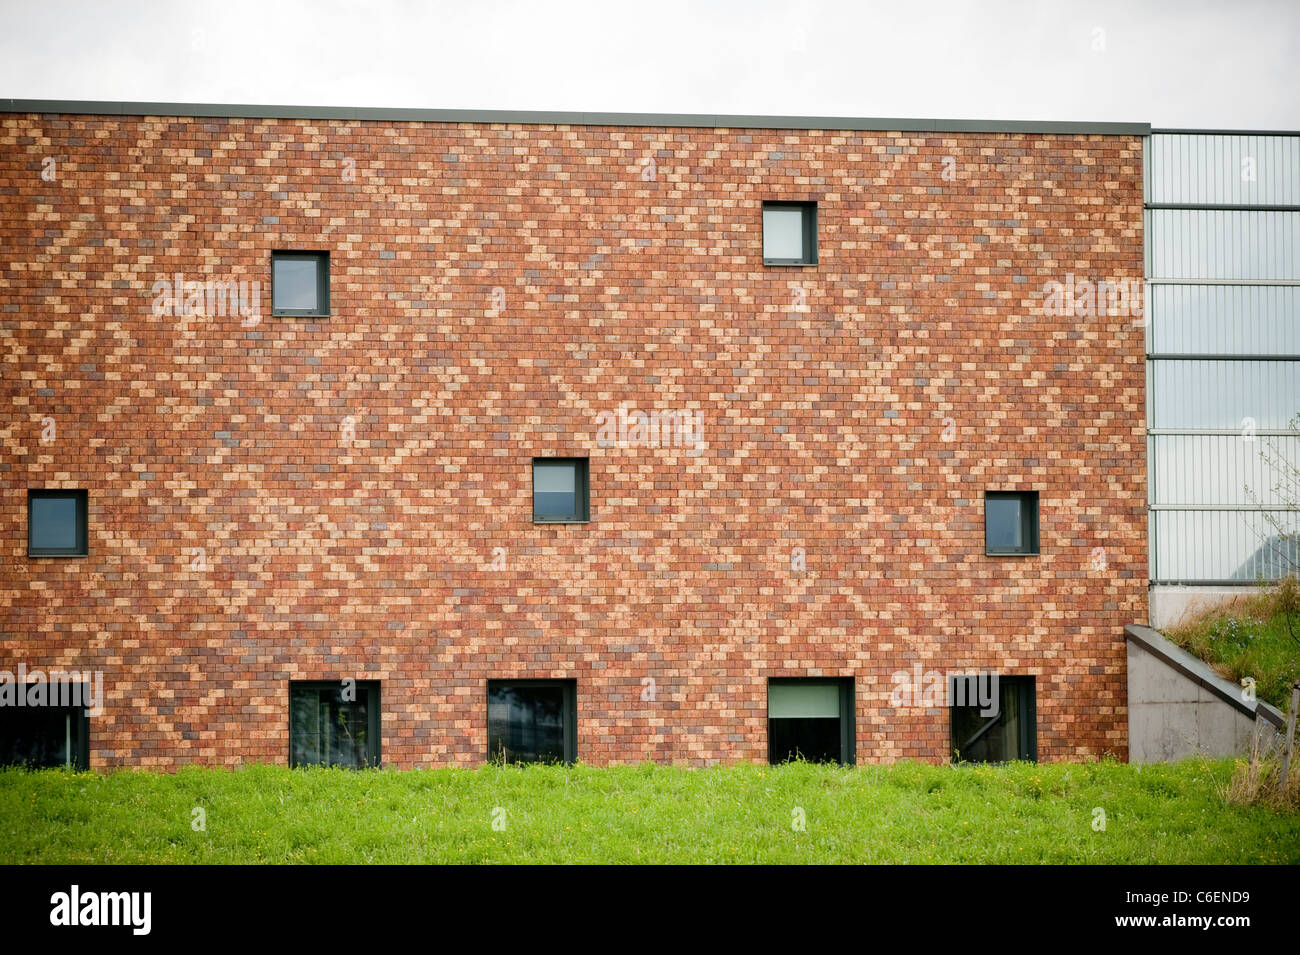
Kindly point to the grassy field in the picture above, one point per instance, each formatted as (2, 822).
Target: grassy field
(1249, 636)
(901, 813)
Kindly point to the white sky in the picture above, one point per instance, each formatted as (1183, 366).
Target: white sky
(1224, 64)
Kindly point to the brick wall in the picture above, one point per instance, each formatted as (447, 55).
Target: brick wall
(857, 409)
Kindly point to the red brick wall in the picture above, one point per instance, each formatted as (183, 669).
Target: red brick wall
(824, 427)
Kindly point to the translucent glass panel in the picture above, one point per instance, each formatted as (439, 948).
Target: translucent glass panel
(1002, 527)
(1223, 394)
(789, 233)
(1221, 469)
(1224, 319)
(1222, 545)
(815, 700)
(783, 233)
(1245, 396)
(1223, 244)
(1223, 170)
(295, 283)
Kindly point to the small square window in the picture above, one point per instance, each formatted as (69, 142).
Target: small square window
(532, 721)
(986, 733)
(49, 736)
(810, 719)
(56, 524)
(789, 233)
(300, 283)
(560, 490)
(334, 723)
(1010, 522)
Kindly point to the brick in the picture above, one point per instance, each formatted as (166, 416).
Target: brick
(823, 426)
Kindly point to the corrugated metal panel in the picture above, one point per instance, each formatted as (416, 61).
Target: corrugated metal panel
(1231, 470)
(1214, 170)
(1223, 394)
(1224, 319)
(1221, 545)
(1223, 244)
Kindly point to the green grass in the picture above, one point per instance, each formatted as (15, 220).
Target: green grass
(1248, 636)
(907, 812)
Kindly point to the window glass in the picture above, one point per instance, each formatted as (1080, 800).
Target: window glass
(783, 232)
(526, 722)
(815, 700)
(558, 490)
(809, 720)
(1003, 527)
(330, 725)
(1008, 735)
(295, 283)
(54, 523)
(41, 737)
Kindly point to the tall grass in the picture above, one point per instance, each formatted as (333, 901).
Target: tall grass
(1257, 779)
(1252, 635)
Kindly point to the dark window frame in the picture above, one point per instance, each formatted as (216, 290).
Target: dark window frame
(78, 730)
(82, 547)
(570, 705)
(809, 209)
(582, 490)
(848, 714)
(1026, 745)
(374, 724)
(1028, 524)
(322, 258)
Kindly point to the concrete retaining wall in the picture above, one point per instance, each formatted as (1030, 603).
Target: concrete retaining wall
(1178, 706)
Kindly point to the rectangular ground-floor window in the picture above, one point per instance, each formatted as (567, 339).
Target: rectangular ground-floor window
(1009, 733)
(334, 723)
(44, 737)
(810, 719)
(532, 721)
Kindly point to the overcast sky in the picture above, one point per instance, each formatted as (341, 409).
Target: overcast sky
(1173, 63)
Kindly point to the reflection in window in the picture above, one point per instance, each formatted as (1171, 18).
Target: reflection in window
(531, 721)
(1226, 546)
(334, 724)
(44, 737)
(1009, 734)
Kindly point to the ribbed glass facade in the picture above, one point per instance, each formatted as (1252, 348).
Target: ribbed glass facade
(1223, 355)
